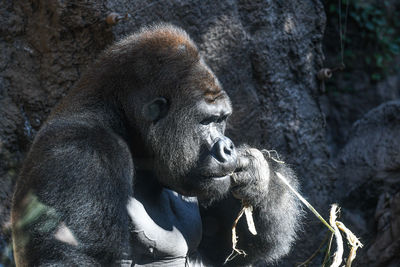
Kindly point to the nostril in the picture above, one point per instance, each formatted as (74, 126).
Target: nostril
(231, 146)
(228, 150)
(223, 150)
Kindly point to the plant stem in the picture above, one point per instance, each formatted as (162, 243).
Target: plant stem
(305, 202)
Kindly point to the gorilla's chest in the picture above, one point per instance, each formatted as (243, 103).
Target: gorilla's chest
(166, 227)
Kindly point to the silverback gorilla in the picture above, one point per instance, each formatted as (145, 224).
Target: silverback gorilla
(133, 168)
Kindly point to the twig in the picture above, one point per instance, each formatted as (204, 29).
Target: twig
(337, 259)
(333, 227)
(305, 202)
(268, 152)
(353, 240)
(328, 251)
(235, 250)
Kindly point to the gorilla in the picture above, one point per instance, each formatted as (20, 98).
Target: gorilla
(132, 168)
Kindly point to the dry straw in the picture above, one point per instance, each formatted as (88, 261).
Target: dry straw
(334, 226)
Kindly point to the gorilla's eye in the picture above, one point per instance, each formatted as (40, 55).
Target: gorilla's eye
(211, 119)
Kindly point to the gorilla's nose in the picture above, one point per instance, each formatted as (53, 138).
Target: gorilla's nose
(224, 151)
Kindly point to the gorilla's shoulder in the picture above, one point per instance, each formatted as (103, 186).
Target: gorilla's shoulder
(77, 140)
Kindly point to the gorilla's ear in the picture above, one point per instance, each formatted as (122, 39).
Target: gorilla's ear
(156, 109)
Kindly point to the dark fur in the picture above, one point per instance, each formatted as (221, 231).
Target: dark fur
(149, 104)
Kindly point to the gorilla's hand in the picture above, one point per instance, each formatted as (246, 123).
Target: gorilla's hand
(252, 177)
(275, 210)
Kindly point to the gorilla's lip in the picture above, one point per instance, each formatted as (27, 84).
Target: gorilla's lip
(219, 178)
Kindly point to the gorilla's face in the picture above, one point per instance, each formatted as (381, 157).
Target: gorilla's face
(173, 101)
(191, 153)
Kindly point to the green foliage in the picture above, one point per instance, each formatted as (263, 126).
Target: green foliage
(373, 33)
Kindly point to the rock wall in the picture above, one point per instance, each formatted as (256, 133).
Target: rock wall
(266, 54)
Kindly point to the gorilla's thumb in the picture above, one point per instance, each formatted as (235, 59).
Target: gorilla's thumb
(242, 163)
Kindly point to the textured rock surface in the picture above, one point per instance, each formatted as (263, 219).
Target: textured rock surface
(266, 54)
(369, 169)
(385, 248)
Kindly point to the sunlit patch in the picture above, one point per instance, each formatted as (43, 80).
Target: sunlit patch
(289, 24)
(36, 212)
(309, 57)
(36, 217)
(65, 235)
(147, 231)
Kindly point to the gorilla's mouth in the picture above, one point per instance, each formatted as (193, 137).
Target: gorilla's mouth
(216, 181)
(214, 171)
(219, 178)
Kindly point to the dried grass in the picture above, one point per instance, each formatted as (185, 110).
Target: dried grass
(334, 227)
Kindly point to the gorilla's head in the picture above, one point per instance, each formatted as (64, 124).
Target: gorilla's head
(176, 106)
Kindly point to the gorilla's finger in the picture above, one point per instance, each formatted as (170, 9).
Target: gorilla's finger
(242, 164)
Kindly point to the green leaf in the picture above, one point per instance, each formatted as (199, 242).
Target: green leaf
(379, 60)
(332, 8)
(376, 76)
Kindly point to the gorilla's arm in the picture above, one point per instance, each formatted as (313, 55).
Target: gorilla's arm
(276, 214)
(70, 204)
